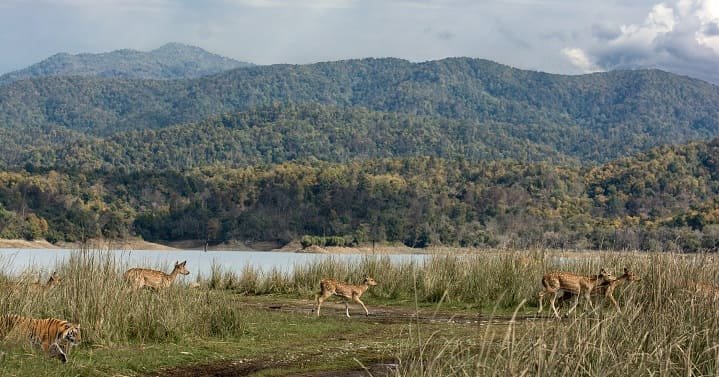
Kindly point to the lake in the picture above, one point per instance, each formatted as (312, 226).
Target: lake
(17, 261)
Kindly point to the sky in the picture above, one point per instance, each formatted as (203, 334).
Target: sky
(557, 36)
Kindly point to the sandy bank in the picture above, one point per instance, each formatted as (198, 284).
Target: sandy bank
(24, 244)
(127, 244)
(292, 247)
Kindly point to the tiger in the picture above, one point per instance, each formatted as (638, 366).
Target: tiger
(55, 336)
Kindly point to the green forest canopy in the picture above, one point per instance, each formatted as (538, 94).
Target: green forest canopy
(459, 152)
(666, 198)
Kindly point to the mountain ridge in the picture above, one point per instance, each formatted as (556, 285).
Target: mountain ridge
(167, 62)
(593, 118)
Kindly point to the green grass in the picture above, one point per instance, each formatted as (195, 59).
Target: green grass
(665, 328)
(285, 338)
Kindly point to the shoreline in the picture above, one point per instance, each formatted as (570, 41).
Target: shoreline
(130, 244)
(292, 247)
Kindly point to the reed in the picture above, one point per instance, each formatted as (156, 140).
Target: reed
(94, 295)
(665, 329)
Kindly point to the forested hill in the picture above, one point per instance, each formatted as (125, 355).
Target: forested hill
(171, 61)
(592, 118)
(280, 133)
(664, 199)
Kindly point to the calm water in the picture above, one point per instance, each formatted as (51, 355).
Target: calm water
(17, 261)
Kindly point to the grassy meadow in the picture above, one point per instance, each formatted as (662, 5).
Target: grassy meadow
(472, 315)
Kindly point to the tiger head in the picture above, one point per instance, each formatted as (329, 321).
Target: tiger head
(71, 333)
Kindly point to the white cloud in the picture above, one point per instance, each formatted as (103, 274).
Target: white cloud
(707, 35)
(577, 57)
(679, 37)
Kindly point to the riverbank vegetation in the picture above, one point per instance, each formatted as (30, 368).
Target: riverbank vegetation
(663, 200)
(447, 316)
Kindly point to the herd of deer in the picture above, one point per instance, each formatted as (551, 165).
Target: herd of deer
(554, 283)
(561, 285)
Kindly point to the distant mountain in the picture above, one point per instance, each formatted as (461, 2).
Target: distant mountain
(171, 61)
(590, 118)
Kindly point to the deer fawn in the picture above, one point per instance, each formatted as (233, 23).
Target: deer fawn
(607, 288)
(706, 290)
(51, 282)
(329, 287)
(144, 277)
(555, 282)
(35, 286)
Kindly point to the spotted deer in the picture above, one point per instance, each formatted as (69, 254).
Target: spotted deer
(16, 286)
(706, 290)
(53, 281)
(329, 287)
(607, 289)
(580, 285)
(145, 277)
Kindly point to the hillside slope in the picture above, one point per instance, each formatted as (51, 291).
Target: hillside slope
(622, 112)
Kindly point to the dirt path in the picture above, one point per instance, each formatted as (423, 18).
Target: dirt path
(392, 315)
(246, 368)
(378, 314)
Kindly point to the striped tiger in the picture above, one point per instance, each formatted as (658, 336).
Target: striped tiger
(55, 336)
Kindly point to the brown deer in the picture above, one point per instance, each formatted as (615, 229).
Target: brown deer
(607, 289)
(145, 277)
(51, 282)
(706, 290)
(329, 287)
(555, 282)
(16, 286)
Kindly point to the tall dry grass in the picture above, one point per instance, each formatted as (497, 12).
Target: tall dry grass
(666, 329)
(94, 295)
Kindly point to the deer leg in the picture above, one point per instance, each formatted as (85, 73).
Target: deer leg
(319, 303)
(541, 298)
(357, 300)
(347, 308)
(554, 307)
(610, 296)
(574, 306)
(320, 299)
(588, 296)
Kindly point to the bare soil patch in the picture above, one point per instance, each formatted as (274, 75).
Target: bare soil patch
(245, 368)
